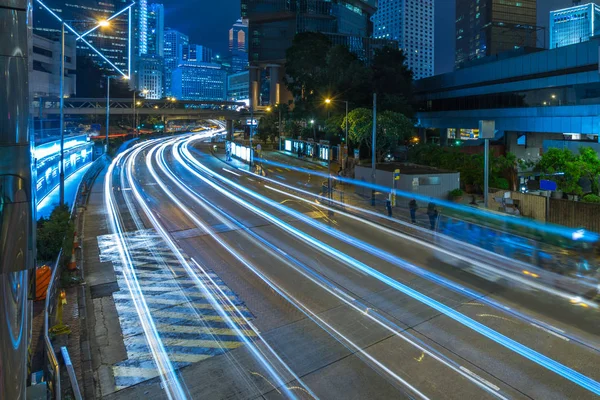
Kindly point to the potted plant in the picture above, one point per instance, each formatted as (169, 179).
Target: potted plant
(456, 195)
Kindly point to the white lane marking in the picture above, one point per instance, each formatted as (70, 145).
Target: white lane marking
(566, 339)
(480, 379)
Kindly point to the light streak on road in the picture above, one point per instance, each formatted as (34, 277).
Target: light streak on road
(258, 354)
(437, 278)
(313, 316)
(542, 360)
(316, 278)
(167, 373)
(555, 229)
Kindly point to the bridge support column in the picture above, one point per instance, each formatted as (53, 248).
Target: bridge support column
(274, 94)
(254, 87)
(229, 129)
(17, 214)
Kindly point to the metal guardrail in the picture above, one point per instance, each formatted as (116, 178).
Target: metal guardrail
(51, 365)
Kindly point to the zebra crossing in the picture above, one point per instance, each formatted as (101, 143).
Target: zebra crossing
(191, 330)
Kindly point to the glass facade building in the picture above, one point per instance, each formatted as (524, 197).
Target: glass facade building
(272, 25)
(173, 44)
(199, 81)
(150, 76)
(156, 30)
(410, 23)
(196, 53)
(574, 25)
(489, 27)
(111, 41)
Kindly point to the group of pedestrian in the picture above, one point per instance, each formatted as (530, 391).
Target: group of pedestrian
(432, 213)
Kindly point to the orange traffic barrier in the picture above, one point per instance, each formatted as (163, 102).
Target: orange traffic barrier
(42, 279)
(72, 265)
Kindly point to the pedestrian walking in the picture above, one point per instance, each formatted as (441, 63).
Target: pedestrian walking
(413, 207)
(432, 213)
(388, 206)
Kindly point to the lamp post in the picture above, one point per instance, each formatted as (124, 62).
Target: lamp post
(329, 101)
(61, 165)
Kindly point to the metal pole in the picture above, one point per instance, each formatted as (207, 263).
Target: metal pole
(107, 111)
(374, 149)
(62, 118)
(279, 105)
(486, 172)
(134, 119)
(345, 159)
(251, 132)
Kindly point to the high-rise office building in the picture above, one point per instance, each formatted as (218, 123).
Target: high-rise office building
(488, 27)
(238, 36)
(150, 76)
(272, 26)
(199, 81)
(410, 22)
(196, 53)
(574, 25)
(149, 72)
(173, 44)
(112, 41)
(238, 46)
(156, 30)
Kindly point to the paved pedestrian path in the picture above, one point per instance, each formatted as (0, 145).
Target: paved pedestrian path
(190, 329)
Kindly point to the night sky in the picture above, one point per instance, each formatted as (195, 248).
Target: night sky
(208, 22)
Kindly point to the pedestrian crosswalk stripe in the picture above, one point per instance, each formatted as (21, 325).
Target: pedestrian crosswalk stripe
(189, 327)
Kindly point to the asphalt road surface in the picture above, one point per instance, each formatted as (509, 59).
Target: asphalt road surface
(235, 287)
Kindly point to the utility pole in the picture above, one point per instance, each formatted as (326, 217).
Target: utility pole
(61, 164)
(374, 150)
(107, 110)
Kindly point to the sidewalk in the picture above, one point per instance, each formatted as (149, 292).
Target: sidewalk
(469, 229)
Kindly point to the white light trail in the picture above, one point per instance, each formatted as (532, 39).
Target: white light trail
(540, 359)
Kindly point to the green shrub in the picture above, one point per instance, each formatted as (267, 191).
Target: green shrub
(591, 198)
(501, 183)
(51, 233)
(456, 193)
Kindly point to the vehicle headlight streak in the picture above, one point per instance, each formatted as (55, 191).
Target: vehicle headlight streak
(508, 275)
(540, 359)
(168, 376)
(313, 276)
(193, 275)
(555, 229)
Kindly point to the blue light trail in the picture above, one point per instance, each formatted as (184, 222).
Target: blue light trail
(542, 360)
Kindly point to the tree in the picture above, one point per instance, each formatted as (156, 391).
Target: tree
(306, 64)
(559, 167)
(392, 80)
(391, 127)
(587, 164)
(267, 126)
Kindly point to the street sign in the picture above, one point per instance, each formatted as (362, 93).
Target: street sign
(547, 185)
(487, 129)
(397, 175)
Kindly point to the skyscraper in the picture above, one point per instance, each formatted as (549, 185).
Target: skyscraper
(574, 25)
(150, 70)
(173, 43)
(238, 36)
(488, 27)
(410, 22)
(272, 26)
(238, 45)
(111, 41)
(196, 53)
(156, 30)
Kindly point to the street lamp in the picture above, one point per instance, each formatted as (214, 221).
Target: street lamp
(62, 106)
(329, 101)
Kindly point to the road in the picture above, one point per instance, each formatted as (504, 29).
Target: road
(235, 287)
